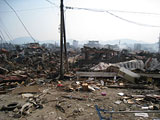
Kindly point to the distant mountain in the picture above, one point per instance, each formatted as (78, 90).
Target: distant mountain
(49, 41)
(124, 41)
(22, 40)
(129, 44)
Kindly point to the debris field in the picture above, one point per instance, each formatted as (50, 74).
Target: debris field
(100, 84)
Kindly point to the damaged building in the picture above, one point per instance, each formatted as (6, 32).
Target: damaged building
(126, 81)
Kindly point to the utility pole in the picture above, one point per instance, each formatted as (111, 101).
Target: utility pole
(65, 47)
(1, 42)
(63, 39)
(159, 44)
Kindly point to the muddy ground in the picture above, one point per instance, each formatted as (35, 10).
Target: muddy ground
(56, 107)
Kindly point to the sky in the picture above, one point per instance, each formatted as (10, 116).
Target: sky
(42, 20)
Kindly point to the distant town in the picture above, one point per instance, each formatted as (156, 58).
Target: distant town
(130, 45)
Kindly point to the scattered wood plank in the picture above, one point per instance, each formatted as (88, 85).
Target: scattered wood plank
(72, 97)
(129, 86)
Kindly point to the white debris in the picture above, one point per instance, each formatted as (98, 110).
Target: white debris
(46, 91)
(91, 88)
(102, 82)
(78, 83)
(121, 94)
(141, 115)
(130, 65)
(100, 66)
(25, 107)
(118, 102)
(27, 95)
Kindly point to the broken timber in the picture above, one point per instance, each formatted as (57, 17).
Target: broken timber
(129, 86)
(128, 75)
(150, 75)
(95, 74)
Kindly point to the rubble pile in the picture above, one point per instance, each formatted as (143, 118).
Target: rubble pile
(119, 81)
(26, 65)
(90, 57)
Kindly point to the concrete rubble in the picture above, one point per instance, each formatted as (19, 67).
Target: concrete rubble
(30, 87)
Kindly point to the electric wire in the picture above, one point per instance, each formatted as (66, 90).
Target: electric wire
(51, 3)
(7, 34)
(141, 24)
(32, 9)
(6, 30)
(121, 11)
(106, 11)
(2, 35)
(20, 20)
(23, 10)
(4, 43)
(10, 37)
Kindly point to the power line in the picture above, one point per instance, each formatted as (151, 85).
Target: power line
(6, 30)
(10, 40)
(20, 20)
(141, 24)
(121, 11)
(51, 3)
(3, 39)
(7, 35)
(23, 10)
(2, 36)
(106, 11)
(100, 10)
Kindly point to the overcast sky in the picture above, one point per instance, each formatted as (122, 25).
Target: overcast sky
(42, 19)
